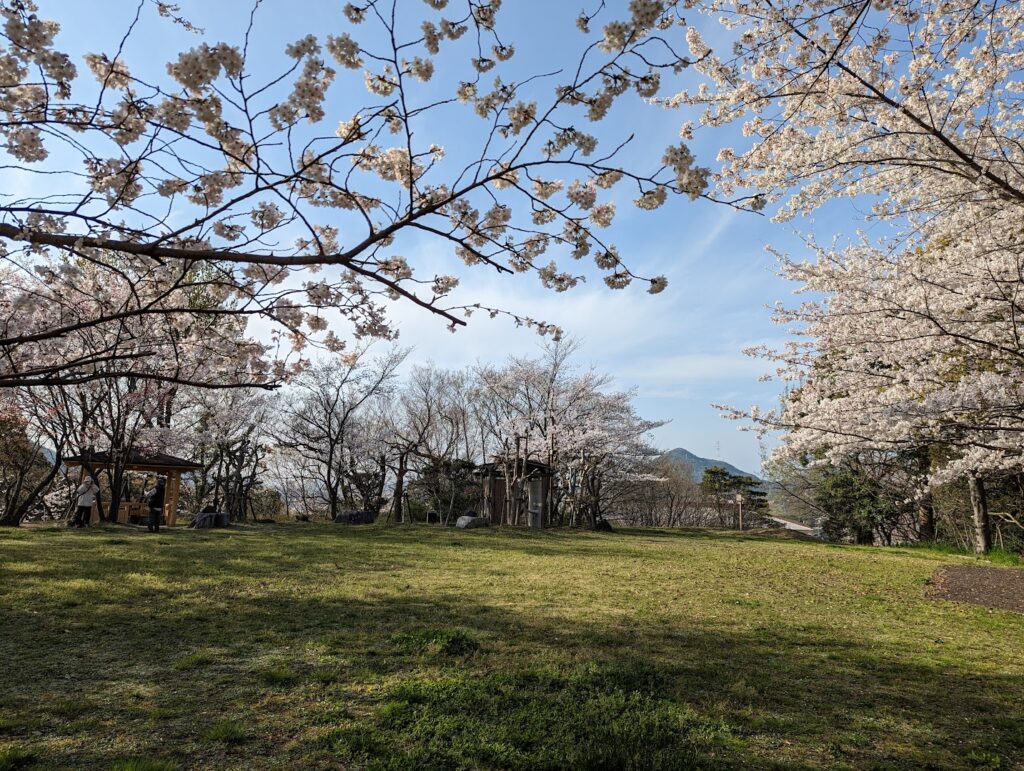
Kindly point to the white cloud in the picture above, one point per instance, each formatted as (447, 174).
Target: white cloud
(698, 368)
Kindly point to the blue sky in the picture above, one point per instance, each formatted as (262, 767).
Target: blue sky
(680, 350)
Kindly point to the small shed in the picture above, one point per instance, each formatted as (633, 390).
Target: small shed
(158, 463)
(531, 489)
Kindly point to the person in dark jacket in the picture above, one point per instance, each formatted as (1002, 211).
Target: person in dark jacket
(155, 500)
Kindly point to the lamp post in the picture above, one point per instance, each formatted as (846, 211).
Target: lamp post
(739, 505)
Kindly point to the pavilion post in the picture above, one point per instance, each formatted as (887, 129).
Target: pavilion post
(173, 489)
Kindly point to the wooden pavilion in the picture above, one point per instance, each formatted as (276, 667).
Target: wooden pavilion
(159, 464)
(531, 490)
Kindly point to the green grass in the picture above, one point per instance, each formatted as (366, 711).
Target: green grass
(144, 764)
(279, 674)
(15, 757)
(193, 660)
(310, 646)
(227, 731)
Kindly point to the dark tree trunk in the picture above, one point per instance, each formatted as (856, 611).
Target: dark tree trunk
(926, 518)
(378, 493)
(925, 505)
(396, 504)
(9, 518)
(332, 497)
(982, 524)
(116, 476)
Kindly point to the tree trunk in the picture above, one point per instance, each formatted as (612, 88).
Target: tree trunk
(378, 493)
(925, 518)
(982, 525)
(396, 503)
(925, 506)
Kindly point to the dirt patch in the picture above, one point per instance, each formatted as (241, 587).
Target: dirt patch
(990, 587)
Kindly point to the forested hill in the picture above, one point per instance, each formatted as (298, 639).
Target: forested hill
(698, 464)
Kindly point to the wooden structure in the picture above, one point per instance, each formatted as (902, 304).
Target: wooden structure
(159, 464)
(529, 492)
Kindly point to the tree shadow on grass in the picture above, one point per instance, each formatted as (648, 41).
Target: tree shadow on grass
(427, 681)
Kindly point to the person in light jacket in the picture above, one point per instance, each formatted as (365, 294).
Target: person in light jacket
(155, 500)
(86, 493)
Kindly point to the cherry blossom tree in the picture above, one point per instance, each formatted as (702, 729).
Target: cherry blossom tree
(320, 417)
(229, 433)
(153, 410)
(545, 409)
(426, 423)
(202, 343)
(911, 335)
(260, 188)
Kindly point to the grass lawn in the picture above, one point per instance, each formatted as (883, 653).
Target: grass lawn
(309, 646)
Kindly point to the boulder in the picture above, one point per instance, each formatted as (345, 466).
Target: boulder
(208, 519)
(468, 522)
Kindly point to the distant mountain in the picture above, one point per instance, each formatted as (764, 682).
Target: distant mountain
(698, 464)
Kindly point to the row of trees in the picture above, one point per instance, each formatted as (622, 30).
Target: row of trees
(676, 499)
(347, 434)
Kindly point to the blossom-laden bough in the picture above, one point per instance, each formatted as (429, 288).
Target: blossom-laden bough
(911, 336)
(218, 188)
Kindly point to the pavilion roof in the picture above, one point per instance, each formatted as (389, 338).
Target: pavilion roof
(498, 465)
(156, 461)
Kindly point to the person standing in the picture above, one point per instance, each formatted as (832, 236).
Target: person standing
(86, 493)
(155, 499)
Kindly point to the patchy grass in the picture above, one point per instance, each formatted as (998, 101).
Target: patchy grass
(227, 731)
(436, 642)
(15, 757)
(193, 660)
(304, 646)
(144, 764)
(278, 674)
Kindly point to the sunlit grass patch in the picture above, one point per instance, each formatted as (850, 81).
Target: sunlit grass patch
(145, 581)
(324, 675)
